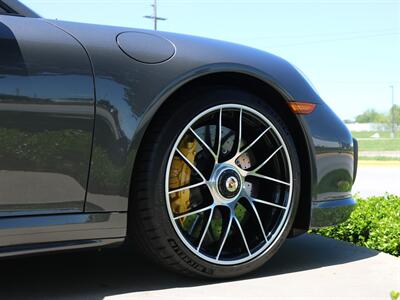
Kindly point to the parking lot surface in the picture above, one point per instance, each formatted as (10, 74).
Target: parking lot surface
(307, 267)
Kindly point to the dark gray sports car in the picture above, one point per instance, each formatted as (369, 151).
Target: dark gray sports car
(205, 155)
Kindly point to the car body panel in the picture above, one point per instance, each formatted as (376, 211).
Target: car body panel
(334, 154)
(59, 228)
(145, 47)
(331, 212)
(46, 118)
(130, 92)
(17, 8)
(124, 84)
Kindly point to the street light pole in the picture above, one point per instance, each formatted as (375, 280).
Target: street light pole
(154, 17)
(155, 14)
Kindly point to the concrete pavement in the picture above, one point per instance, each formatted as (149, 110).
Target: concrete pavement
(376, 180)
(307, 267)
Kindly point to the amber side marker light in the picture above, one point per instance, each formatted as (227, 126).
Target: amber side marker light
(302, 108)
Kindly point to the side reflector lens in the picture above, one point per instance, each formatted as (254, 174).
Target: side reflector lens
(302, 108)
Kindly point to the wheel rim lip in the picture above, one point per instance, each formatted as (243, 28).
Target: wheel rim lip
(284, 220)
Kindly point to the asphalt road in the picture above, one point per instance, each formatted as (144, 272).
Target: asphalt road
(377, 180)
(308, 267)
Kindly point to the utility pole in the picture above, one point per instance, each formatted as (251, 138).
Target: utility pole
(392, 112)
(154, 16)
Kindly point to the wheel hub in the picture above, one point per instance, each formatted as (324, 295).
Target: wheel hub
(229, 183)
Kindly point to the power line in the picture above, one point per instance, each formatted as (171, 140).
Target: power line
(154, 17)
(324, 34)
(337, 39)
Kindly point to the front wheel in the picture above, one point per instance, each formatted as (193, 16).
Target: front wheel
(217, 184)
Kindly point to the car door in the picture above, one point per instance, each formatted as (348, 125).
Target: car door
(46, 118)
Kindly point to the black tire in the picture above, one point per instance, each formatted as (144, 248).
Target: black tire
(150, 226)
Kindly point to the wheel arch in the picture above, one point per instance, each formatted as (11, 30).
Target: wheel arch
(265, 90)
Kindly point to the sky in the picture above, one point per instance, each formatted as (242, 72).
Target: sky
(350, 50)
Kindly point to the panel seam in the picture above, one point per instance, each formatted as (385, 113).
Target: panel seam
(94, 107)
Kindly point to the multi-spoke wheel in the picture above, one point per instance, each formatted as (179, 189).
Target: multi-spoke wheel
(225, 192)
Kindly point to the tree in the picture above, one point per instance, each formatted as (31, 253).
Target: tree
(371, 116)
(395, 114)
(394, 119)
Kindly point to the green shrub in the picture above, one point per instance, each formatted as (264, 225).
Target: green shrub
(375, 223)
(394, 295)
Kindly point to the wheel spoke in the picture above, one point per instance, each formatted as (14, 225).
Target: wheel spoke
(194, 225)
(206, 229)
(188, 187)
(228, 228)
(268, 178)
(253, 142)
(242, 233)
(258, 218)
(203, 143)
(240, 130)
(268, 159)
(194, 212)
(190, 164)
(268, 203)
(219, 133)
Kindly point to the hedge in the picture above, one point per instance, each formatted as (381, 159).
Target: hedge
(374, 223)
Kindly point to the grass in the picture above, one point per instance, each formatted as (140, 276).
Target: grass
(384, 143)
(379, 145)
(374, 223)
(379, 158)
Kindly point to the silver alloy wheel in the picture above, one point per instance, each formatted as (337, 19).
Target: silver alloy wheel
(229, 185)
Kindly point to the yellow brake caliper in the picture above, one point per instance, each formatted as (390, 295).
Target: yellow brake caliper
(179, 176)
